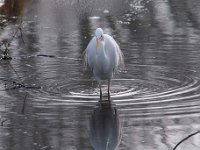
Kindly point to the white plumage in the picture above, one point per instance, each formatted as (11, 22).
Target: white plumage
(103, 56)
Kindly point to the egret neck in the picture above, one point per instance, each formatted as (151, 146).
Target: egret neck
(97, 45)
(102, 59)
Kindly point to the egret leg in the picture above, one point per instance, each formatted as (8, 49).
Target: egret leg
(100, 92)
(109, 90)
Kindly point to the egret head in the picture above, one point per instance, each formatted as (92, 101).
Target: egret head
(99, 34)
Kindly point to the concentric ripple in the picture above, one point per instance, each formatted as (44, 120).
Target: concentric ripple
(141, 91)
(156, 93)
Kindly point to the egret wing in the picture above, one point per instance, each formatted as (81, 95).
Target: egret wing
(115, 54)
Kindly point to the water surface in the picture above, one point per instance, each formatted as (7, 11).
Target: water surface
(157, 95)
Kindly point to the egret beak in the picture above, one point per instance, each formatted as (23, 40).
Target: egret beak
(97, 44)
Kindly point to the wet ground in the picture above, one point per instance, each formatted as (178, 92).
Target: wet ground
(49, 102)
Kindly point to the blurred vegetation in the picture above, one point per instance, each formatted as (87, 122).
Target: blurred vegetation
(12, 8)
(10, 12)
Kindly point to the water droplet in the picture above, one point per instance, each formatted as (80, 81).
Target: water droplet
(106, 11)
(94, 17)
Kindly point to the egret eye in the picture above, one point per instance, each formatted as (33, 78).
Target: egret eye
(101, 37)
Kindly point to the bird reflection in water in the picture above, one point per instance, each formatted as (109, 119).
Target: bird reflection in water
(105, 128)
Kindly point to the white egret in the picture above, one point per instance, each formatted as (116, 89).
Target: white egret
(103, 57)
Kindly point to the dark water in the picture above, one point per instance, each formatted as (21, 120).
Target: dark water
(155, 100)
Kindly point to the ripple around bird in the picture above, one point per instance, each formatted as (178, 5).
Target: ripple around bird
(160, 93)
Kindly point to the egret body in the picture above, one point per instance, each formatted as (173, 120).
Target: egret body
(103, 56)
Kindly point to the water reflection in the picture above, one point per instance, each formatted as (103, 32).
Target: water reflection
(105, 127)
